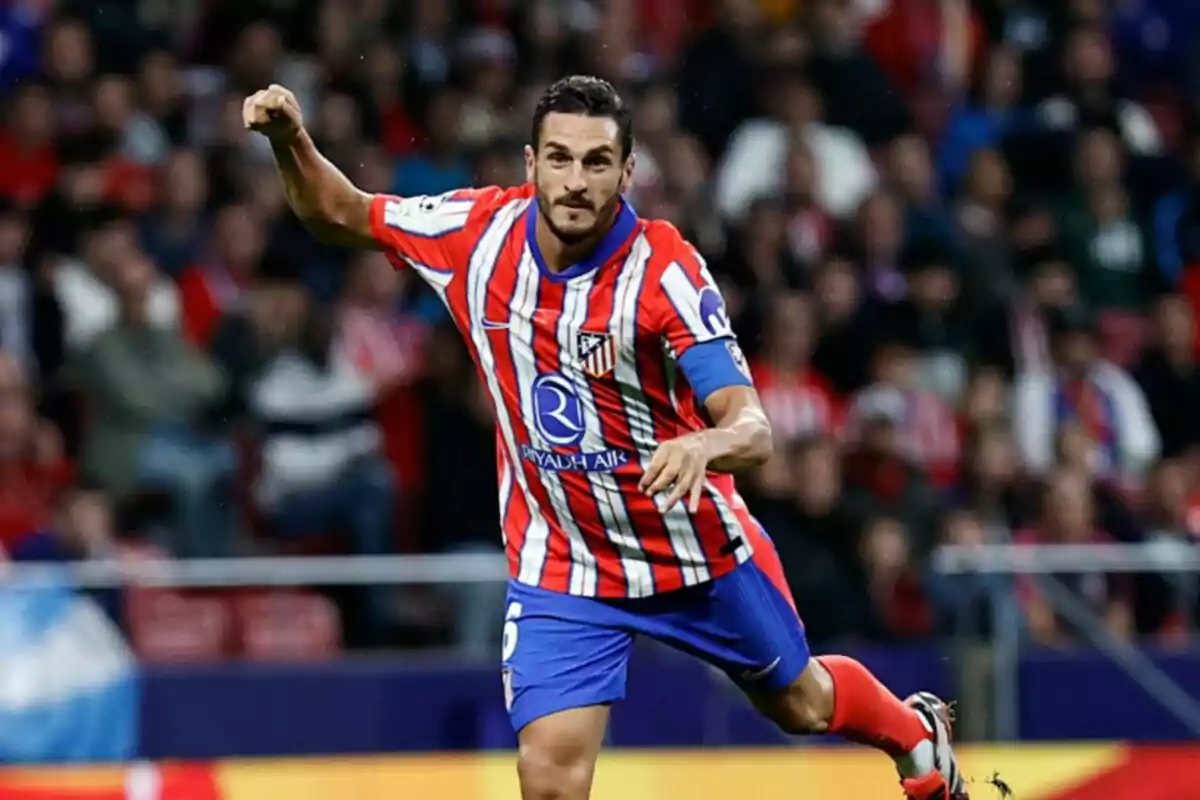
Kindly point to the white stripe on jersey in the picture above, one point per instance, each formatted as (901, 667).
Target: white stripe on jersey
(609, 501)
(584, 574)
(480, 270)
(506, 487)
(686, 297)
(678, 521)
(427, 216)
(729, 520)
(438, 279)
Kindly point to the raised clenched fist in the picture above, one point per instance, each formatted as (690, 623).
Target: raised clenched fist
(273, 112)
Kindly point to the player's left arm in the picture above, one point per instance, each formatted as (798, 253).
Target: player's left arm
(740, 437)
(698, 332)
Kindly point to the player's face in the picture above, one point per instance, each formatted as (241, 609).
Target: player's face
(580, 173)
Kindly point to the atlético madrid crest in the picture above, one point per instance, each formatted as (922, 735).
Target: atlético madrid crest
(597, 352)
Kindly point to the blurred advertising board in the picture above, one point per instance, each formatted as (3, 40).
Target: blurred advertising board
(394, 705)
(1068, 772)
(69, 686)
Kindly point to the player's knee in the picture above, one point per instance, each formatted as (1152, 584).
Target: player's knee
(804, 716)
(558, 771)
(806, 706)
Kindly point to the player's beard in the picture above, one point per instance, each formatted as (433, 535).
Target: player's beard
(604, 217)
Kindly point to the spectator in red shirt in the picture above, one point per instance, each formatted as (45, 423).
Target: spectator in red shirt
(215, 285)
(881, 480)
(924, 43)
(926, 426)
(28, 161)
(893, 581)
(128, 178)
(33, 470)
(798, 400)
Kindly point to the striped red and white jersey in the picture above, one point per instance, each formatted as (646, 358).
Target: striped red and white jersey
(581, 368)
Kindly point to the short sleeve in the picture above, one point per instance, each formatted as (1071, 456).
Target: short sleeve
(696, 327)
(691, 308)
(428, 233)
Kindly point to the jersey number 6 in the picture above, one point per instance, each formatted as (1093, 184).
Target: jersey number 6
(509, 645)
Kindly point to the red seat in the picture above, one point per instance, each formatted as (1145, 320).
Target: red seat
(287, 625)
(170, 626)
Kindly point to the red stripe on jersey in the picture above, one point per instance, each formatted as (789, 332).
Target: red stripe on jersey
(501, 296)
(519, 517)
(643, 516)
(679, 415)
(584, 510)
(660, 549)
(673, 547)
(648, 362)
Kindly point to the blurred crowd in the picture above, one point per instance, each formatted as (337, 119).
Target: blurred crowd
(959, 240)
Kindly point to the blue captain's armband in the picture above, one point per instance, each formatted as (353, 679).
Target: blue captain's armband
(712, 365)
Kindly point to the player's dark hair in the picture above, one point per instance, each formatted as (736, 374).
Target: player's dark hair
(589, 96)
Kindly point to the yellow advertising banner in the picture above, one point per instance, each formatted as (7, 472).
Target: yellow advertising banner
(1068, 772)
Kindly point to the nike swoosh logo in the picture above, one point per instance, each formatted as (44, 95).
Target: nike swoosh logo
(762, 673)
(493, 325)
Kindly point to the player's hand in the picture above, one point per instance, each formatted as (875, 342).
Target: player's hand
(274, 112)
(680, 465)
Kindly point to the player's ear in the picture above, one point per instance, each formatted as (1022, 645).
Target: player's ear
(627, 171)
(530, 164)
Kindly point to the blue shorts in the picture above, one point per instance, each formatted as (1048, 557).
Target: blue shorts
(562, 651)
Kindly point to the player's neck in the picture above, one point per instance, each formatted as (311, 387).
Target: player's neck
(561, 256)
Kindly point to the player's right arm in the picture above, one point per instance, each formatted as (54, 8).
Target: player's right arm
(428, 234)
(330, 206)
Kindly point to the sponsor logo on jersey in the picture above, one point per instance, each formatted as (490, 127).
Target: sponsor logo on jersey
(558, 417)
(601, 461)
(713, 314)
(558, 411)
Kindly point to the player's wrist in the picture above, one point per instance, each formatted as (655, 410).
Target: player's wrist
(712, 445)
(288, 138)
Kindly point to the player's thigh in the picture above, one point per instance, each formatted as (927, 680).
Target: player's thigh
(560, 653)
(745, 623)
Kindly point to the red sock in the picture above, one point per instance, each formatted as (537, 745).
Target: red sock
(864, 711)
